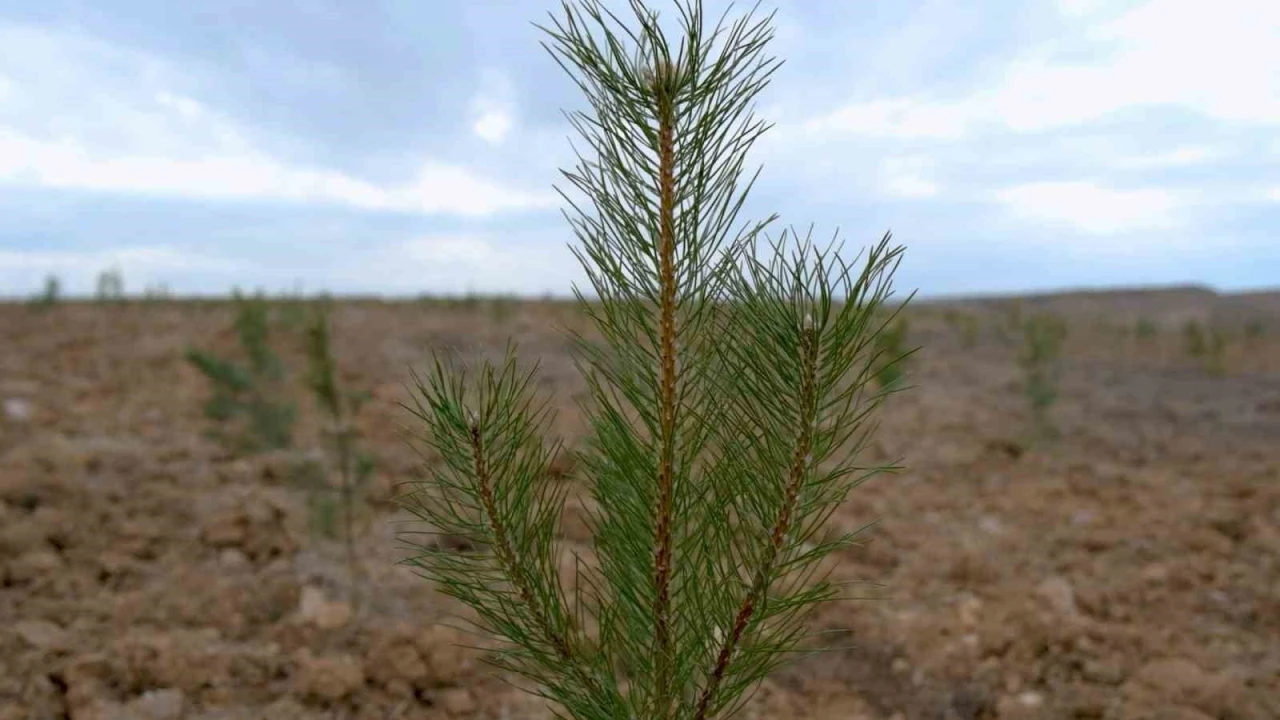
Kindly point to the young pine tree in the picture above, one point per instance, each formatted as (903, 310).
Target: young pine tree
(253, 391)
(354, 466)
(729, 401)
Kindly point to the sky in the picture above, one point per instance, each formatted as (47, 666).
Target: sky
(410, 147)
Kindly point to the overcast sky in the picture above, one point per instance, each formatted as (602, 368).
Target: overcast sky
(410, 146)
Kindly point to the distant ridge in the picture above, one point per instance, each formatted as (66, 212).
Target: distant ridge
(1168, 305)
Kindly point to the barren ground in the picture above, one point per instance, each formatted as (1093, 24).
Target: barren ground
(1127, 570)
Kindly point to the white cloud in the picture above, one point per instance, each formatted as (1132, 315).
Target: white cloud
(1081, 8)
(905, 177)
(454, 263)
(493, 127)
(896, 118)
(84, 129)
(492, 107)
(1273, 194)
(1090, 207)
(184, 105)
(1179, 157)
(1214, 59)
(67, 164)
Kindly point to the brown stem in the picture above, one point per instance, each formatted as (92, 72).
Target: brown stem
(667, 386)
(799, 461)
(506, 554)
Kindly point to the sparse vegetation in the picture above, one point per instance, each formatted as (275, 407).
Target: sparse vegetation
(49, 295)
(966, 325)
(250, 393)
(1043, 335)
(110, 286)
(500, 309)
(354, 466)
(156, 293)
(1206, 346)
(891, 345)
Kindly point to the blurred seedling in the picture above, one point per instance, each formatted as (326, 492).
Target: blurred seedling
(1145, 329)
(1043, 336)
(110, 285)
(1207, 347)
(966, 325)
(890, 346)
(249, 393)
(49, 295)
(332, 511)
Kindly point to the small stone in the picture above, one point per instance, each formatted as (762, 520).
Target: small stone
(1103, 672)
(1023, 706)
(397, 662)
(315, 609)
(329, 678)
(34, 564)
(1172, 675)
(1154, 573)
(458, 701)
(232, 559)
(1059, 595)
(447, 661)
(164, 704)
(17, 409)
(970, 608)
(42, 634)
(1030, 699)
(227, 529)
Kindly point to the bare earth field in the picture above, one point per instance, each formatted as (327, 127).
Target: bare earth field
(1131, 569)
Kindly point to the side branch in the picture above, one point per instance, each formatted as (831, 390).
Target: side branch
(506, 554)
(799, 466)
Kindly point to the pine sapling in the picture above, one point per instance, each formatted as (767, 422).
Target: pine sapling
(110, 286)
(1043, 335)
(1194, 340)
(890, 344)
(251, 391)
(49, 295)
(354, 467)
(1215, 353)
(728, 404)
(964, 324)
(1146, 329)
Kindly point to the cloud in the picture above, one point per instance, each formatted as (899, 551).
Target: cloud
(905, 177)
(68, 164)
(447, 263)
(1080, 8)
(174, 145)
(1214, 60)
(492, 106)
(893, 118)
(1179, 157)
(1090, 207)
(493, 127)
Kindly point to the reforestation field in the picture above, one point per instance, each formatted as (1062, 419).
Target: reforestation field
(1087, 523)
